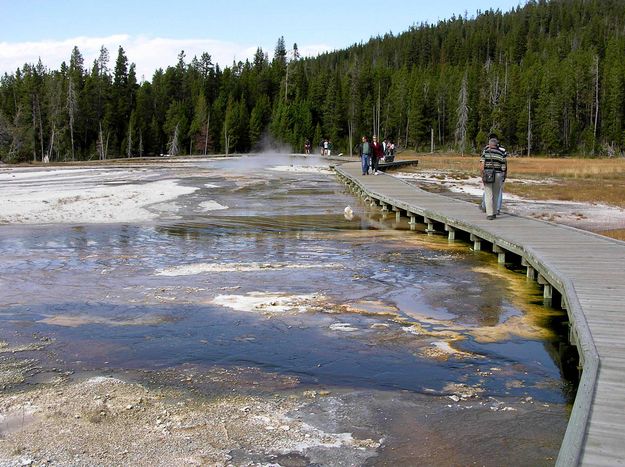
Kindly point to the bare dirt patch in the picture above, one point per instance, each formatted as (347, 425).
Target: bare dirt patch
(103, 420)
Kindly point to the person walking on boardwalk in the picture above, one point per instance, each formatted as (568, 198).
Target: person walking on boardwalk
(377, 153)
(500, 199)
(494, 169)
(365, 154)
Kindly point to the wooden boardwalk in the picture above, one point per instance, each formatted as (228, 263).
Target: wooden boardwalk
(586, 270)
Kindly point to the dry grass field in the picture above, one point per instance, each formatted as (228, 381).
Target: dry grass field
(566, 179)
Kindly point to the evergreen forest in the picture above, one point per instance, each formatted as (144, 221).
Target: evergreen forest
(548, 77)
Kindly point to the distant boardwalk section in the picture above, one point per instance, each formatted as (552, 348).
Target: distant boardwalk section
(587, 271)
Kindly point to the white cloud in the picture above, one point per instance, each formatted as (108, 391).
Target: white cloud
(148, 53)
(53, 53)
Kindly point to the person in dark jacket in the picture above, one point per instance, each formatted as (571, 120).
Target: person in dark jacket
(500, 199)
(364, 150)
(494, 158)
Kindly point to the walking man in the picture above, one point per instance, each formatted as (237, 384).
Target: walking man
(494, 169)
(365, 154)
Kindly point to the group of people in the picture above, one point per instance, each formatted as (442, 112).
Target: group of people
(326, 147)
(389, 150)
(370, 154)
(373, 152)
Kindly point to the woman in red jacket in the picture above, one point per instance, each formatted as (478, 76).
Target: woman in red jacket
(377, 154)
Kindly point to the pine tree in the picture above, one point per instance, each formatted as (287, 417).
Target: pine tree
(200, 125)
(259, 120)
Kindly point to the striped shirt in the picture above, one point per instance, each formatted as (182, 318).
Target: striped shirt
(494, 158)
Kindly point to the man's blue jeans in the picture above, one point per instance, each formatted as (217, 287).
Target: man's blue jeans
(365, 163)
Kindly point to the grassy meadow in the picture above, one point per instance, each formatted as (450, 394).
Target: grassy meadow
(570, 179)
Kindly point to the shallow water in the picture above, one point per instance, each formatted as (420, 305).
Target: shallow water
(278, 280)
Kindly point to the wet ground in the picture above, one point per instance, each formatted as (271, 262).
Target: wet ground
(331, 339)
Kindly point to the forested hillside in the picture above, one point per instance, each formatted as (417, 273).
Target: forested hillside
(549, 77)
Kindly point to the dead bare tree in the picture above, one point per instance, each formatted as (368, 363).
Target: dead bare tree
(377, 112)
(226, 137)
(55, 115)
(407, 127)
(72, 105)
(529, 126)
(102, 145)
(463, 115)
(129, 147)
(35, 105)
(48, 156)
(596, 106)
(442, 117)
(295, 54)
(208, 120)
(350, 130)
(173, 147)
(16, 140)
(352, 115)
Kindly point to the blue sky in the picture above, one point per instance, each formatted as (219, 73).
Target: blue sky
(154, 32)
